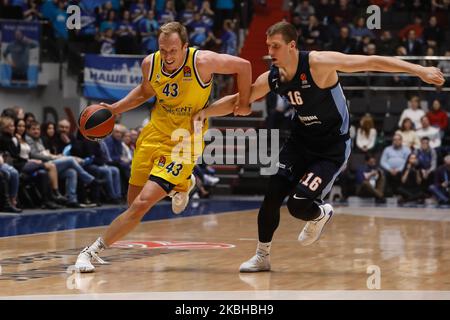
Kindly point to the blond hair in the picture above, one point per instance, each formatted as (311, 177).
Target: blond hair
(174, 27)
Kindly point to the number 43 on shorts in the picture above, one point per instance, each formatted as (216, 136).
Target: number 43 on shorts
(174, 168)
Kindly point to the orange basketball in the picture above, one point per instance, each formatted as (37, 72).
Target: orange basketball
(96, 122)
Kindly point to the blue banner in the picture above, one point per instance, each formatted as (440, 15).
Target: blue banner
(110, 77)
(19, 53)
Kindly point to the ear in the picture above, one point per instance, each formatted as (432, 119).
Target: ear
(185, 46)
(292, 45)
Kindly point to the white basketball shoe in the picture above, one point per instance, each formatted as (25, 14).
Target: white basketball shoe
(257, 263)
(89, 254)
(180, 200)
(313, 229)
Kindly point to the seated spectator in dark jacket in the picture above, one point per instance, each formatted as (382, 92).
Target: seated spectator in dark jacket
(427, 158)
(441, 187)
(370, 180)
(344, 43)
(64, 137)
(99, 167)
(116, 151)
(410, 188)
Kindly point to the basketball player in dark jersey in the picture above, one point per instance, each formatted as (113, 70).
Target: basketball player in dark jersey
(319, 144)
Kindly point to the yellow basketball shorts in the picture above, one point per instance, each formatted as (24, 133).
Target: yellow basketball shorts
(153, 157)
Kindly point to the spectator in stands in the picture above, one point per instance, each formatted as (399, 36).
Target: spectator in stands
(83, 148)
(187, 15)
(68, 168)
(29, 117)
(148, 27)
(427, 158)
(207, 14)
(433, 35)
(116, 151)
(386, 44)
(360, 30)
(128, 147)
(412, 44)
(168, 14)
(20, 113)
(32, 12)
(437, 117)
(304, 10)
(200, 34)
(107, 42)
(43, 174)
(441, 187)
(324, 11)
(370, 180)
(430, 132)
(63, 135)
(413, 112)
(10, 186)
(110, 23)
(410, 188)
(228, 40)
(366, 134)
(59, 22)
(9, 113)
(344, 43)
(409, 136)
(344, 9)
(393, 161)
(417, 27)
(134, 134)
(49, 137)
(126, 31)
(440, 5)
(315, 34)
(138, 11)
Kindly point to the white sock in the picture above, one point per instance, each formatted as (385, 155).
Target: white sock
(263, 249)
(98, 246)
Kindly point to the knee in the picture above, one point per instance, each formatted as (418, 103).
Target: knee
(139, 207)
(71, 174)
(301, 208)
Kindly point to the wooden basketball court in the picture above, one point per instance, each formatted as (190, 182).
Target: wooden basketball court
(198, 258)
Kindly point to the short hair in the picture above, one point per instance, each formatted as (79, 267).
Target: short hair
(286, 29)
(10, 113)
(174, 27)
(425, 139)
(33, 123)
(4, 120)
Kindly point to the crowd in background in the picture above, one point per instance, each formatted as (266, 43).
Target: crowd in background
(46, 165)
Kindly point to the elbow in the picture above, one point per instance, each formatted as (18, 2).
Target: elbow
(244, 68)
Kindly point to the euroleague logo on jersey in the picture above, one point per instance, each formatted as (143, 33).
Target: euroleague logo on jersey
(184, 245)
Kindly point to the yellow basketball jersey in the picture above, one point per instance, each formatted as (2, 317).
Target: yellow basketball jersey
(179, 95)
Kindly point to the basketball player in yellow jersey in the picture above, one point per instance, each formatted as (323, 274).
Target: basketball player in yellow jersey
(180, 77)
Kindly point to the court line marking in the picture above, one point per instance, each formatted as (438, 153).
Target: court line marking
(250, 295)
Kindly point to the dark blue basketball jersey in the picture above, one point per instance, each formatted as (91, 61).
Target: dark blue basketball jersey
(321, 115)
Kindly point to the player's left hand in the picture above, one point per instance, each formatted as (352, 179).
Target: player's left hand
(432, 75)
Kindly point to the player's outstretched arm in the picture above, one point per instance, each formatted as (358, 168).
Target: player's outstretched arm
(327, 61)
(138, 95)
(229, 104)
(210, 62)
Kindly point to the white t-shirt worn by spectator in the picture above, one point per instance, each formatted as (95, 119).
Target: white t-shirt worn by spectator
(414, 115)
(433, 134)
